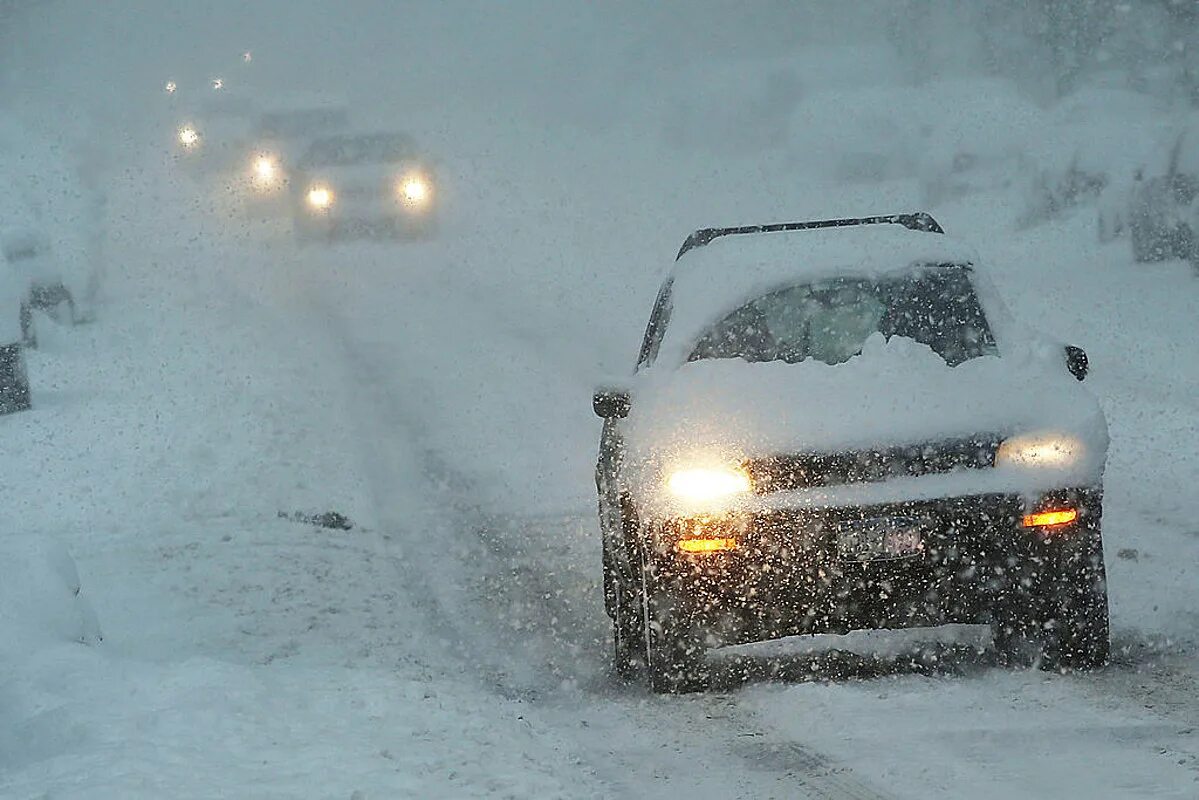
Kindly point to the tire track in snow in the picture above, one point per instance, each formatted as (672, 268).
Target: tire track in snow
(545, 669)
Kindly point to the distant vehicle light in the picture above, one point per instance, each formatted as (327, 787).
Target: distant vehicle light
(188, 137)
(218, 83)
(265, 168)
(170, 87)
(1046, 519)
(247, 56)
(320, 197)
(414, 189)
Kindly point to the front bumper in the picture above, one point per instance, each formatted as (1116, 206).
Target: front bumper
(786, 576)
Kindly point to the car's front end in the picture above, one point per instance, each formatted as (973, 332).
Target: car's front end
(803, 552)
(364, 187)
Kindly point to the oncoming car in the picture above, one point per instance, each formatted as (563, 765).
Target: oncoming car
(363, 185)
(280, 136)
(213, 133)
(836, 426)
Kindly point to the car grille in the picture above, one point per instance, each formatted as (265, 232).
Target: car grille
(803, 471)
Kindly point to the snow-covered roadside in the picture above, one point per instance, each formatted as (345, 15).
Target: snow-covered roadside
(244, 654)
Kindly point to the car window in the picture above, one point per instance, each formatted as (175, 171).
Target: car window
(343, 150)
(831, 320)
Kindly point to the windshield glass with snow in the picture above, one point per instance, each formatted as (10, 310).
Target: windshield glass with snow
(830, 320)
(345, 150)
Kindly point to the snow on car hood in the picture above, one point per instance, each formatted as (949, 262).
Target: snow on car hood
(896, 392)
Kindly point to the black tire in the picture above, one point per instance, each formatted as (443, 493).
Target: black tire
(628, 637)
(14, 380)
(674, 647)
(1077, 632)
(1061, 620)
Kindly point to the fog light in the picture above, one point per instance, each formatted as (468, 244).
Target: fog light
(706, 545)
(1050, 519)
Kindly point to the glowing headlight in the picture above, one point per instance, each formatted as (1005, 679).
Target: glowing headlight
(698, 485)
(188, 137)
(320, 197)
(218, 84)
(265, 168)
(170, 87)
(1053, 451)
(414, 189)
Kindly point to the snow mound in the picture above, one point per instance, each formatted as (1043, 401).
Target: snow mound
(41, 598)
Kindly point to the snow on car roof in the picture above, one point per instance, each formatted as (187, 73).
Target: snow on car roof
(732, 270)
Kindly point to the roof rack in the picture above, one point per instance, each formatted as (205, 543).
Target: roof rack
(919, 221)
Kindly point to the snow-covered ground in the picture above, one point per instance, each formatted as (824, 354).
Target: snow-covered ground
(453, 643)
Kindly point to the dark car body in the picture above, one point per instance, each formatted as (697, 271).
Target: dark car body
(907, 532)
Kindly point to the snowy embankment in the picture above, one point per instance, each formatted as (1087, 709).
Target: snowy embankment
(165, 440)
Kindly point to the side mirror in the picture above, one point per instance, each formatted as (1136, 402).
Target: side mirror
(611, 403)
(1076, 361)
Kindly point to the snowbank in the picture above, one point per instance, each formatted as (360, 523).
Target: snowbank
(41, 598)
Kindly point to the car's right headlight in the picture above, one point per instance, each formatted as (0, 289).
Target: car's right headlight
(707, 484)
(320, 197)
(1045, 450)
(188, 136)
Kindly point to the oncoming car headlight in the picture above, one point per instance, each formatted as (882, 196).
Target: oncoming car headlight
(320, 197)
(1048, 450)
(265, 168)
(414, 190)
(188, 136)
(708, 484)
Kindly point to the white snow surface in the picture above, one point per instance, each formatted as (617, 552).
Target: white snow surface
(453, 643)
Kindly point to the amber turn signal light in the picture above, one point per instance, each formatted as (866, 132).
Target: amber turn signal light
(1045, 519)
(706, 545)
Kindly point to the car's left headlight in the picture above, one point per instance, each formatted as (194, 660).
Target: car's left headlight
(1048, 450)
(265, 168)
(706, 484)
(189, 137)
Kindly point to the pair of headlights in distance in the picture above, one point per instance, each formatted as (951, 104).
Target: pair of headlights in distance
(1046, 451)
(413, 190)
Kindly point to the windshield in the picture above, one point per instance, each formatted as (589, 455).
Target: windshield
(831, 320)
(343, 150)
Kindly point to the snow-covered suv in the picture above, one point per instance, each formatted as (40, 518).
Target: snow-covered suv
(837, 425)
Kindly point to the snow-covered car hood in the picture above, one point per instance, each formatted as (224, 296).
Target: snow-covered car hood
(895, 393)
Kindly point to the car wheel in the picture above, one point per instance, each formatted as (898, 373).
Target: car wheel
(14, 380)
(628, 637)
(1077, 630)
(674, 648)
(1061, 620)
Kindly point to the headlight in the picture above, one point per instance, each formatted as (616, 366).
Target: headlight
(1049, 450)
(414, 190)
(320, 197)
(170, 87)
(699, 485)
(265, 168)
(188, 137)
